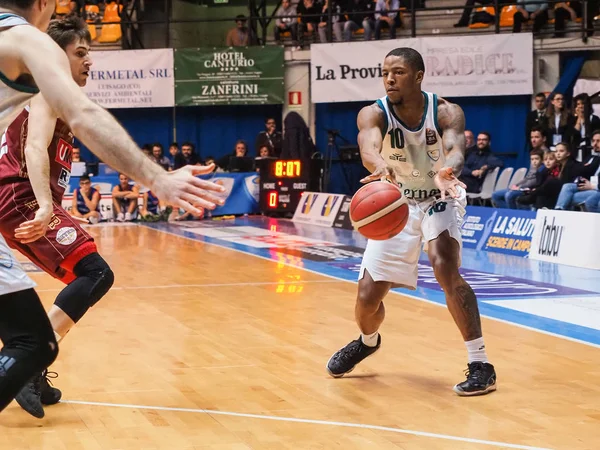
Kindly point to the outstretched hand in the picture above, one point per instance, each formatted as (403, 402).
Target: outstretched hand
(182, 189)
(383, 171)
(446, 182)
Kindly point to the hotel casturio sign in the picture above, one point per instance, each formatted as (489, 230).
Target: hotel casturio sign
(229, 76)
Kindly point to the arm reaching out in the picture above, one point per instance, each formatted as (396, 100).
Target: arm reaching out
(452, 122)
(100, 131)
(39, 137)
(370, 139)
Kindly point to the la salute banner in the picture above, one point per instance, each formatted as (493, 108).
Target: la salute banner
(461, 66)
(229, 76)
(132, 78)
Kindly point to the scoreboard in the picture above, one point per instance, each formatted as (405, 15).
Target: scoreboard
(282, 183)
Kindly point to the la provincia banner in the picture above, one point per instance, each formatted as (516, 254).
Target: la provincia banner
(462, 66)
(229, 76)
(132, 78)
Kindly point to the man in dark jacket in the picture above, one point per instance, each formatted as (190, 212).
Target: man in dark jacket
(187, 156)
(270, 138)
(478, 163)
(537, 117)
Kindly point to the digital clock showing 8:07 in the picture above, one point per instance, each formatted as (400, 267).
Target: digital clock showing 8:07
(286, 169)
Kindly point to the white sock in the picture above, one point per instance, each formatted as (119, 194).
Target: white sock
(476, 350)
(58, 337)
(370, 340)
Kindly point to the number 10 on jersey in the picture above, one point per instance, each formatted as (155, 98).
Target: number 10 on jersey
(396, 138)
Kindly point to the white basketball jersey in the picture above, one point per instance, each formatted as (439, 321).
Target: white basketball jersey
(416, 153)
(13, 96)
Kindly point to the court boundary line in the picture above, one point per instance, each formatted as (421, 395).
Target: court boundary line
(548, 333)
(175, 286)
(308, 421)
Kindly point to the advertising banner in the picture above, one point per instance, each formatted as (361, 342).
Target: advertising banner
(567, 237)
(241, 193)
(132, 78)
(461, 66)
(318, 208)
(229, 76)
(498, 230)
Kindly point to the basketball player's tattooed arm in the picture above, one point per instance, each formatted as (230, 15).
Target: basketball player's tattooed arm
(39, 137)
(451, 120)
(99, 131)
(371, 120)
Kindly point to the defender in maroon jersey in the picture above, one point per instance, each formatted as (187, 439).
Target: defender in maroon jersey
(66, 252)
(17, 202)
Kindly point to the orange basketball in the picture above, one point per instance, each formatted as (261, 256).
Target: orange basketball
(378, 210)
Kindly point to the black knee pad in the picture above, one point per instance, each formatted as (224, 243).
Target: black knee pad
(95, 268)
(94, 279)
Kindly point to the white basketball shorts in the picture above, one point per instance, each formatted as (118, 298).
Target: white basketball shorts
(12, 276)
(396, 259)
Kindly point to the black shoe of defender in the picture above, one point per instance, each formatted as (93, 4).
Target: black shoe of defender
(481, 380)
(49, 395)
(344, 360)
(29, 398)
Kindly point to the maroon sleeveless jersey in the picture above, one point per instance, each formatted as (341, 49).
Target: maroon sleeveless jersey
(13, 168)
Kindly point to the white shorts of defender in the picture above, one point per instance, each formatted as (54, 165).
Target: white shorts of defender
(396, 260)
(12, 276)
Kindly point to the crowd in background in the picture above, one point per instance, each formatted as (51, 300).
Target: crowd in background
(565, 159)
(310, 19)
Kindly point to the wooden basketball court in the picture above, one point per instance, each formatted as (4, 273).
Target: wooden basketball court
(202, 347)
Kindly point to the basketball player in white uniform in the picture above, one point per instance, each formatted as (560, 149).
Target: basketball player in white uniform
(30, 62)
(417, 140)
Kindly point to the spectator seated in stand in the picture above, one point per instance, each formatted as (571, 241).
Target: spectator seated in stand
(264, 152)
(238, 161)
(585, 186)
(358, 18)
(469, 142)
(125, 199)
(478, 163)
(86, 201)
(153, 209)
(507, 198)
(76, 155)
(538, 13)
(387, 16)
(552, 170)
(209, 160)
(586, 123)
(173, 152)
(546, 195)
(147, 150)
(159, 157)
(187, 156)
(336, 18)
(465, 18)
(307, 24)
(283, 24)
(241, 35)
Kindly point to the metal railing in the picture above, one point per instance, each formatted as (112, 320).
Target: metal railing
(258, 18)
